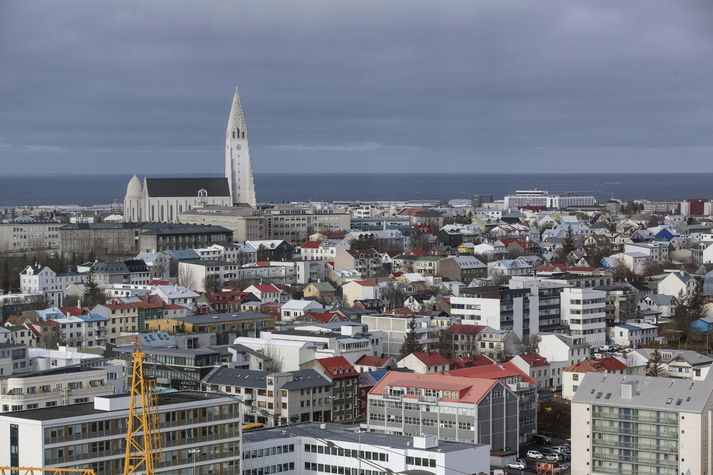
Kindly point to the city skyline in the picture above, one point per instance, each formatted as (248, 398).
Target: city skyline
(486, 87)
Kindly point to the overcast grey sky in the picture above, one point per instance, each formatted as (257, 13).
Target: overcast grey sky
(472, 86)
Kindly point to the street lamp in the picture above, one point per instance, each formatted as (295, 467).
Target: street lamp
(194, 453)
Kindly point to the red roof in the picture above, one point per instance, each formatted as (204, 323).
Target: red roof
(73, 311)
(375, 361)
(477, 360)
(533, 359)
(493, 371)
(469, 390)
(602, 365)
(432, 358)
(310, 245)
(367, 283)
(160, 282)
(326, 317)
(338, 367)
(463, 329)
(266, 288)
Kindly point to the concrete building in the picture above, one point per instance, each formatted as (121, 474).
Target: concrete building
(573, 375)
(163, 199)
(633, 335)
(58, 387)
(238, 165)
(395, 328)
(345, 387)
(451, 408)
(463, 268)
(501, 308)
(275, 398)
(545, 199)
(584, 312)
(331, 448)
(28, 238)
(640, 424)
(189, 420)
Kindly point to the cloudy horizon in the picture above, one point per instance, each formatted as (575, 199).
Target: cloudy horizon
(488, 86)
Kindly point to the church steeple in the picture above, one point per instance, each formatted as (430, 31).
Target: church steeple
(238, 166)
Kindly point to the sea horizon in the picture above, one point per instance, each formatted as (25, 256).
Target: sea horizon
(35, 189)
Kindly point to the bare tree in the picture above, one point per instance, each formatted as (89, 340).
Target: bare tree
(654, 366)
(185, 278)
(272, 361)
(530, 343)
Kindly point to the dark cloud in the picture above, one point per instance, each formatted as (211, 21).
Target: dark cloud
(123, 86)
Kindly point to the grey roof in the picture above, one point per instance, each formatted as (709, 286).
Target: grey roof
(170, 229)
(662, 394)
(306, 378)
(660, 299)
(248, 378)
(223, 317)
(187, 186)
(341, 433)
(78, 410)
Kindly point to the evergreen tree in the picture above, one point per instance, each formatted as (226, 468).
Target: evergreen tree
(653, 366)
(410, 344)
(568, 243)
(92, 292)
(696, 303)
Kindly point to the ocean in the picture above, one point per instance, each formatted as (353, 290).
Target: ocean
(33, 190)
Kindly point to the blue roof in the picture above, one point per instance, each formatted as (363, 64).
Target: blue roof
(182, 254)
(93, 318)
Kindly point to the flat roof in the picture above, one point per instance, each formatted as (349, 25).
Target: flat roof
(341, 433)
(86, 409)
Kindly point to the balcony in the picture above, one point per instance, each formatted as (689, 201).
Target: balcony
(671, 420)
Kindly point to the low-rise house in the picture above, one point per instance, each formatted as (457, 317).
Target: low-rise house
(463, 268)
(633, 335)
(37, 279)
(368, 262)
(294, 309)
(396, 327)
(678, 284)
(355, 290)
(510, 268)
(322, 291)
(572, 375)
(374, 363)
(536, 367)
(423, 362)
(268, 293)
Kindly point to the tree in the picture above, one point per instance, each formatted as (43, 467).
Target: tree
(272, 361)
(654, 366)
(92, 293)
(696, 303)
(211, 283)
(567, 244)
(531, 342)
(185, 277)
(410, 344)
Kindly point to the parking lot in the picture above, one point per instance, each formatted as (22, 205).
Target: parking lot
(544, 449)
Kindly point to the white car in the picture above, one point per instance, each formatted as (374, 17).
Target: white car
(518, 464)
(534, 454)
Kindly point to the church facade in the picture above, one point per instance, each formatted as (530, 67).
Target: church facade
(163, 199)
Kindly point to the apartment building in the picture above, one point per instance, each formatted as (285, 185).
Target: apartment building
(584, 313)
(92, 435)
(395, 327)
(43, 280)
(275, 398)
(544, 300)
(452, 408)
(331, 448)
(501, 308)
(638, 424)
(58, 387)
(345, 387)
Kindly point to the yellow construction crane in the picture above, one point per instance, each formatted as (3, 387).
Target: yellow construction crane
(46, 471)
(142, 431)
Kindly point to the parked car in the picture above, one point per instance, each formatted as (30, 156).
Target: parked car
(534, 454)
(518, 464)
(541, 439)
(553, 457)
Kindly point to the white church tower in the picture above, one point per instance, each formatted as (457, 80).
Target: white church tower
(238, 166)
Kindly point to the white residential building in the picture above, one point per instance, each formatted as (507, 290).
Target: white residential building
(678, 283)
(293, 309)
(58, 387)
(43, 280)
(395, 328)
(584, 312)
(633, 335)
(641, 424)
